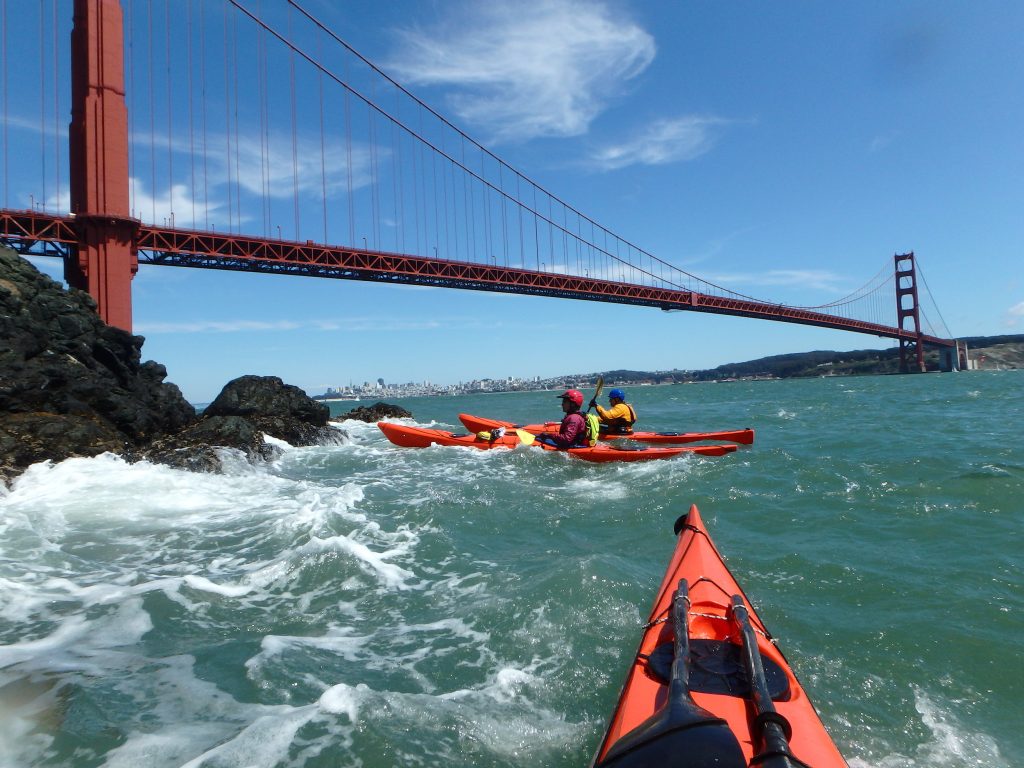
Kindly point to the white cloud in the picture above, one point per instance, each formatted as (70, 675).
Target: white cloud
(662, 142)
(174, 208)
(217, 326)
(882, 141)
(523, 70)
(1014, 315)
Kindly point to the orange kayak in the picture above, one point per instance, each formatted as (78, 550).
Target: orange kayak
(744, 436)
(420, 437)
(708, 686)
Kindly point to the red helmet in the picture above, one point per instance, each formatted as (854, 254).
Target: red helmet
(574, 395)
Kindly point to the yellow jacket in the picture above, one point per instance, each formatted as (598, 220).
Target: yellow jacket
(618, 418)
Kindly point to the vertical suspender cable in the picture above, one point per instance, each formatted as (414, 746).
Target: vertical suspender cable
(504, 219)
(56, 109)
(519, 206)
(437, 221)
(536, 225)
(202, 69)
(375, 188)
(170, 113)
(323, 158)
(348, 166)
(3, 55)
(191, 121)
(444, 188)
(152, 114)
(130, 74)
(42, 98)
(227, 119)
(418, 248)
(235, 122)
(422, 175)
(551, 231)
(400, 187)
(264, 107)
(470, 204)
(295, 145)
(485, 194)
(395, 175)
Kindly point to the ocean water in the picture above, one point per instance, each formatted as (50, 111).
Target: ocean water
(367, 605)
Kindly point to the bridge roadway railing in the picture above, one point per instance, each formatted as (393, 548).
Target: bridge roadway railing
(29, 231)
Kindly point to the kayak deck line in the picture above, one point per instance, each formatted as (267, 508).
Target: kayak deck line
(740, 436)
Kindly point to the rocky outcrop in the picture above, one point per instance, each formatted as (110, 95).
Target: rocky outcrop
(245, 410)
(376, 412)
(70, 385)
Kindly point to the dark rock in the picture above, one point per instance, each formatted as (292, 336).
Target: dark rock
(246, 409)
(70, 385)
(266, 397)
(198, 446)
(376, 412)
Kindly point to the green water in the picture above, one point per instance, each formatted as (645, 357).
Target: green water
(367, 605)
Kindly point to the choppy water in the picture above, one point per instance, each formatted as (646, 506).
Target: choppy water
(367, 605)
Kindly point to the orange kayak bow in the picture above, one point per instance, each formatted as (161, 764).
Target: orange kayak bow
(709, 687)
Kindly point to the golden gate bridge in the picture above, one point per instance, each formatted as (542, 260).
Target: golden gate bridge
(216, 136)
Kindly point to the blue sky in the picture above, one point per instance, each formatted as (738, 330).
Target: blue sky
(785, 151)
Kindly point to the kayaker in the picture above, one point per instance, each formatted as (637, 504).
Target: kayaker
(573, 429)
(620, 418)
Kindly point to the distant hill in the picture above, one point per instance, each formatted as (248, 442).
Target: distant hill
(988, 352)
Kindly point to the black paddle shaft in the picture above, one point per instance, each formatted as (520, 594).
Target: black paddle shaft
(773, 728)
(679, 683)
(681, 733)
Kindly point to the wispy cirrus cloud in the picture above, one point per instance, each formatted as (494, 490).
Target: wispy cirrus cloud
(1014, 315)
(217, 326)
(522, 70)
(662, 142)
(814, 279)
(347, 324)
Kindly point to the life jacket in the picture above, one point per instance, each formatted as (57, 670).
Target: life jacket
(587, 437)
(593, 428)
(621, 426)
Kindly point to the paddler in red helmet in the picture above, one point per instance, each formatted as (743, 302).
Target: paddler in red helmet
(572, 432)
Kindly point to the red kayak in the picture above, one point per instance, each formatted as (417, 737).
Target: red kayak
(420, 437)
(744, 436)
(708, 686)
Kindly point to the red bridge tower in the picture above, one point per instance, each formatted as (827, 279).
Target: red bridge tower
(905, 271)
(107, 257)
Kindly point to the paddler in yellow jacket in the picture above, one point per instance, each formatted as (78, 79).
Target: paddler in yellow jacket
(619, 419)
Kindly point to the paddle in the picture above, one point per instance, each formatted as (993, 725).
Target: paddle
(774, 728)
(525, 437)
(681, 732)
(597, 390)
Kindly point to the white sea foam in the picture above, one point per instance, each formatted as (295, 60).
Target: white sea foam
(342, 699)
(389, 574)
(951, 744)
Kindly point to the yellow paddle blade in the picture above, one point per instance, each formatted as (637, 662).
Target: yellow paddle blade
(525, 437)
(597, 390)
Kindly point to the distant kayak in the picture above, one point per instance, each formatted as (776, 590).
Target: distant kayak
(420, 437)
(708, 686)
(744, 436)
